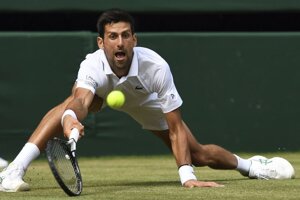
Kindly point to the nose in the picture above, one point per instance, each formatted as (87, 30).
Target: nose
(120, 41)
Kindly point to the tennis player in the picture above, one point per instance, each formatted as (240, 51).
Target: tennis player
(151, 99)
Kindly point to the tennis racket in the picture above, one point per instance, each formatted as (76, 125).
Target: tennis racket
(63, 163)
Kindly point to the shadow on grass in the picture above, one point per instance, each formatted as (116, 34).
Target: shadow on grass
(149, 183)
(132, 184)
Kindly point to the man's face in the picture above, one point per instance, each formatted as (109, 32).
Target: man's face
(118, 43)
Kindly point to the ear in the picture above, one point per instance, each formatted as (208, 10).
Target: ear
(100, 42)
(135, 39)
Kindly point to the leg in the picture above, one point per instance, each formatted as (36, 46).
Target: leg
(12, 176)
(204, 155)
(49, 127)
(216, 157)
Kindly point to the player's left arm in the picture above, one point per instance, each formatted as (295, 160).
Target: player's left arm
(179, 134)
(178, 137)
(163, 85)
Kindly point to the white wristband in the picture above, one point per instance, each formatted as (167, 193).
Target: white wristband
(186, 172)
(68, 112)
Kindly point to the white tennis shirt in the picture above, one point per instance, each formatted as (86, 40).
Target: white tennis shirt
(149, 88)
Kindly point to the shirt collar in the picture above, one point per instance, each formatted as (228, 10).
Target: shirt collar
(106, 66)
(133, 71)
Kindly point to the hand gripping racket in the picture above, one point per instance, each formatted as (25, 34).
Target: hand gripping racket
(63, 163)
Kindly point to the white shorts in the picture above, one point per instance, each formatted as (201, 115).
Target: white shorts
(150, 119)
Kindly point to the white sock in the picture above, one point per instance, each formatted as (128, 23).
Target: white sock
(243, 165)
(29, 152)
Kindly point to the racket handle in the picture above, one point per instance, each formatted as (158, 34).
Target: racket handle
(74, 134)
(73, 139)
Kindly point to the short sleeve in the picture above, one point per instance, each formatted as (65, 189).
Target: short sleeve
(89, 74)
(166, 89)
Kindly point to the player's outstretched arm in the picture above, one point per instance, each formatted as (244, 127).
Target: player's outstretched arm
(50, 125)
(76, 110)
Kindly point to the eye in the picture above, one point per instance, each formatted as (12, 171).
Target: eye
(112, 36)
(126, 35)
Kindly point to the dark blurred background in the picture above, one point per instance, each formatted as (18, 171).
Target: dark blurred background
(235, 64)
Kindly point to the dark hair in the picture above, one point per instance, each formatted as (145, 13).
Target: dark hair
(114, 16)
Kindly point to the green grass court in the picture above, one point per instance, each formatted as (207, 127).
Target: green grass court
(155, 177)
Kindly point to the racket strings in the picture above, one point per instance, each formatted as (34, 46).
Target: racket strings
(64, 166)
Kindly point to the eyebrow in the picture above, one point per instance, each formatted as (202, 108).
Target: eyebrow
(127, 30)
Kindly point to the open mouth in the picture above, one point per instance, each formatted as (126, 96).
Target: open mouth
(120, 55)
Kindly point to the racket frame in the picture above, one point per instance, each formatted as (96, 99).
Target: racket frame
(71, 156)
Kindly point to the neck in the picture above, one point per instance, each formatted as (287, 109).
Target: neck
(121, 72)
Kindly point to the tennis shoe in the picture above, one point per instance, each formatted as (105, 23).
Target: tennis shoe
(11, 179)
(274, 168)
(258, 158)
(3, 163)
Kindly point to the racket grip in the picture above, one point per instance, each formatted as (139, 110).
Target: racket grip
(74, 134)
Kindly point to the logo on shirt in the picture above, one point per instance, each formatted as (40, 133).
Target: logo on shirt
(90, 81)
(173, 96)
(138, 87)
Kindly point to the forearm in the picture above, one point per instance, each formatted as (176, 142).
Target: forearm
(80, 101)
(180, 148)
(179, 137)
(78, 107)
(182, 155)
(76, 110)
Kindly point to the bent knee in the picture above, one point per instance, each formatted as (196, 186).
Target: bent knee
(202, 157)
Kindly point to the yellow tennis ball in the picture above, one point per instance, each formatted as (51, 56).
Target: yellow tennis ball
(115, 99)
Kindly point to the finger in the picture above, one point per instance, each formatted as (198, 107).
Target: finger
(194, 183)
(213, 184)
(81, 131)
(209, 184)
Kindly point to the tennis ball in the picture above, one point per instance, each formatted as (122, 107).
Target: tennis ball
(115, 99)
